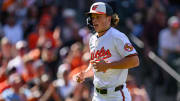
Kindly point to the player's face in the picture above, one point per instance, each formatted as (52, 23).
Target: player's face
(100, 22)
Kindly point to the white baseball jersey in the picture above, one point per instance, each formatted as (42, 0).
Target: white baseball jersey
(112, 46)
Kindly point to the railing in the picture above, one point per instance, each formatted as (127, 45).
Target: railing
(156, 59)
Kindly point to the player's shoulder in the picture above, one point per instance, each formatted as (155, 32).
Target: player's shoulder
(92, 37)
(117, 34)
(92, 40)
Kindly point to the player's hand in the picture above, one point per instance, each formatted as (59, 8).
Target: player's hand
(99, 66)
(79, 77)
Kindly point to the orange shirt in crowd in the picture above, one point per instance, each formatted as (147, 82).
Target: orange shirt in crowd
(4, 85)
(33, 39)
(28, 77)
(3, 81)
(76, 62)
(6, 4)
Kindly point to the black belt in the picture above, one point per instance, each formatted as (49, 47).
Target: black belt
(104, 91)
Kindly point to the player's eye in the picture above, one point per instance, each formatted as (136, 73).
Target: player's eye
(94, 16)
(98, 17)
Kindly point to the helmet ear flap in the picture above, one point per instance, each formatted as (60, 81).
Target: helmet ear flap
(89, 24)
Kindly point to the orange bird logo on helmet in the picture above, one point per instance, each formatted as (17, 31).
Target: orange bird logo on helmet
(94, 7)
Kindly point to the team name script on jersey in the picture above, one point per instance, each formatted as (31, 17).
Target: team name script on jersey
(100, 54)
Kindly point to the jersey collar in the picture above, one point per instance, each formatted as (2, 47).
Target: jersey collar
(105, 34)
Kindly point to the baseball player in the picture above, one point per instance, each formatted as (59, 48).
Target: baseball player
(112, 55)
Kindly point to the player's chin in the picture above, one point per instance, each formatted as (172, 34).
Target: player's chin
(97, 30)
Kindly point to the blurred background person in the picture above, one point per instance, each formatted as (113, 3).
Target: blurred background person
(169, 39)
(12, 30)
(65, 86)
(17, 61)
(51, 59)
(6, 48)
(13, 93)
(169, 50)
(70, 28)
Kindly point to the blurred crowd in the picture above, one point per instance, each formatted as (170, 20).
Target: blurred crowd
(43, 43)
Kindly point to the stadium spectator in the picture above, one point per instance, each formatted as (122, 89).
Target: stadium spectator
(169, 39)
(12, 30)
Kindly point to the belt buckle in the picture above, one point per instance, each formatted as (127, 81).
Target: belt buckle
(101, 91)
(120, 87)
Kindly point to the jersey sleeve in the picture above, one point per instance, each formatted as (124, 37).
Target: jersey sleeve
(124, 46)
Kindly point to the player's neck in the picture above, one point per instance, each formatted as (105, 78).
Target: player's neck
(103, 32)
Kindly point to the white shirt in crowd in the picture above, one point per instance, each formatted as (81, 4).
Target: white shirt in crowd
(65, 90)
(18, 63)
(168, 41)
